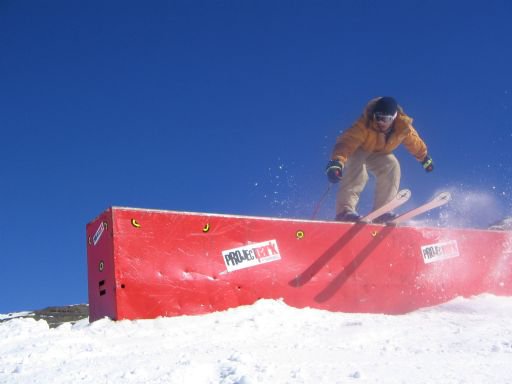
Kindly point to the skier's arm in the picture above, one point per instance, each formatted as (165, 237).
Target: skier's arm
(415, 145)
(348, 142)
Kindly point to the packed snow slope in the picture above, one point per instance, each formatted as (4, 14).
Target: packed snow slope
(463, 341)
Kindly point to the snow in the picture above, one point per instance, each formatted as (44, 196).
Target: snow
(463, 341)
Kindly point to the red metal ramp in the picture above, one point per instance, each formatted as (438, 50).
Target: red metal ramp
(150, 263)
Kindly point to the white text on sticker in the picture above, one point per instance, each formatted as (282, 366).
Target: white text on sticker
(98, 234)
(251, 255)
(440, 251)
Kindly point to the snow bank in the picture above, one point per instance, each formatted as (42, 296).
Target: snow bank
(463, 341)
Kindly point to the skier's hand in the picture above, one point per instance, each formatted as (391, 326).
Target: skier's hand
(428, 164)
(334, 171)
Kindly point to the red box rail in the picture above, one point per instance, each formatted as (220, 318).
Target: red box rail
(149, 263)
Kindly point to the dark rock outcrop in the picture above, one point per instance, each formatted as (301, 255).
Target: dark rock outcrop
(56, 316)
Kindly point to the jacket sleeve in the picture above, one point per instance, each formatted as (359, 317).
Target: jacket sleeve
(415, 145)
(349, 141)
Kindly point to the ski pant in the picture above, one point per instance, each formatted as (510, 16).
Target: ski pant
(385, 168)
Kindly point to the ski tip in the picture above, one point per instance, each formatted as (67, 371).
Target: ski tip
(445, 196)
(403, 194)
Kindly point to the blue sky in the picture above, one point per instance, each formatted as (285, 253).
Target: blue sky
(230, 107)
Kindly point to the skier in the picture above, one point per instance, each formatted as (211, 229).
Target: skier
(367, 146)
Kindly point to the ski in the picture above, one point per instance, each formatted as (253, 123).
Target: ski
(401, 197)
(439, 200)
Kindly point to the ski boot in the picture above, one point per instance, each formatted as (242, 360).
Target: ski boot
(385, 218)
(348, 216)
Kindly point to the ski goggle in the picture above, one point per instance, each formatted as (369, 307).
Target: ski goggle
(379, 116)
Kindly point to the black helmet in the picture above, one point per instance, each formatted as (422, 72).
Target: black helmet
(386, 106)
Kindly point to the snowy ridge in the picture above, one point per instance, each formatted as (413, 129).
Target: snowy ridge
(269, 342)
(15, 315)
(502, 225)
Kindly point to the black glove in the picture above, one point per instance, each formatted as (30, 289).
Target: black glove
(428, 164)
(334, 170)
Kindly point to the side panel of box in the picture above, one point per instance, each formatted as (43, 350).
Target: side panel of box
(101, 267)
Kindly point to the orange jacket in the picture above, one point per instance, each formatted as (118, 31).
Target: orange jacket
(365, 135)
